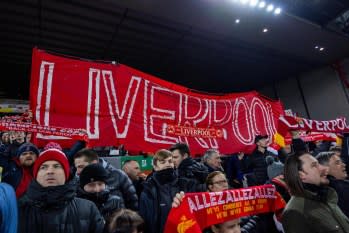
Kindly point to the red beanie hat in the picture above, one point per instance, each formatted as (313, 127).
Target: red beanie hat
(55, 155)
(53, 145)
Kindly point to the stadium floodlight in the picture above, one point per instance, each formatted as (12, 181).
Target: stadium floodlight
(270, 7)
(244, 1)
(277, 11)
(262, 4)
(254, 3)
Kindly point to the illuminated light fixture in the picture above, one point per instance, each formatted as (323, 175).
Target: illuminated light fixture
(244, 1)
(265, 30)
(270, 7)
(322, 48)
(237, 21)
(254, 3)
(316, 47)
(262, 4)
(277, 11)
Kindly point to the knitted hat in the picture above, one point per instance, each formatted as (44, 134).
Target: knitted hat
(274, 168)
(55, 155)
(27, 147)
(91, 173)
(53, 145)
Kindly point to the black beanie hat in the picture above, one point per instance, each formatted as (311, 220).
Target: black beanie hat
(27, 147)
(91, 173)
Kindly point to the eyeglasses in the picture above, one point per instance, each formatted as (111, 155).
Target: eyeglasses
(220, 182)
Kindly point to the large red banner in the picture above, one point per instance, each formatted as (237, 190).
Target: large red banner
(117, 104)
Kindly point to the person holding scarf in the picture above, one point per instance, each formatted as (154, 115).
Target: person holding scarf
(159, 191)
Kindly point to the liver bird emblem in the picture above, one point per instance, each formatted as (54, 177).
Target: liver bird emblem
(185, 224)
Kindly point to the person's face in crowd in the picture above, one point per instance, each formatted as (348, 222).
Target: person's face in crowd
(95, 187)
(51, 173)
(178, 157)
(5, 138)
(263, 143)
(232, 226)
(28, 137)
(81, 163)
(132, 169)
(13, 136)
(324, 173)
(337, 168)
(27, 158)
(311, 171)
(20, 137)
(164, 164)
(215, 161)
(219, 183)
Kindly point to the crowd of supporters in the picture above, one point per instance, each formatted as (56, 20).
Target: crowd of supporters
(76, 190)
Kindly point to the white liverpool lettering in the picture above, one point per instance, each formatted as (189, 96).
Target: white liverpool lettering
(120, 117)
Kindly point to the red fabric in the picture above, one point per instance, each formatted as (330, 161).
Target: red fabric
(52, 154)
(200, 210)
(287, 123)
(75, 134)
(25, 181)
(120, 105)
(313, 138)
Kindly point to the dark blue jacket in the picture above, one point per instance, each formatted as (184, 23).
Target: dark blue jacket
(195, 171)
(257, 164)
(342, 189)
(156, 200)
(12, 172)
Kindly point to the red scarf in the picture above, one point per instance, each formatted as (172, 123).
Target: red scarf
(200, 210)
(76, 134)
(26, 178)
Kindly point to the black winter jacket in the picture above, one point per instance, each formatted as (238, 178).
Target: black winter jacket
(12, 172)
(121, 185)
(157, 196)
(57, 210)
(195, 171)
(106, 203)
(342, 189)
(256, 163)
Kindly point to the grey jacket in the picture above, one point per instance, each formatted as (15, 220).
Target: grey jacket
(315, 214)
